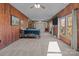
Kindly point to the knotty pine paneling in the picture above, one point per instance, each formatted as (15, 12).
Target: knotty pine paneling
(67, 10)
(8, 33)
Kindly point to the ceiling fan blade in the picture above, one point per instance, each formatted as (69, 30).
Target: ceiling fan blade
(32, 6)
(37, 6)
(42, 6)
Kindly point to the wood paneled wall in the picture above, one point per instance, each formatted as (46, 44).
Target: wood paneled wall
(31, 24)
(9, 33)
(67, 10)
(48, 26)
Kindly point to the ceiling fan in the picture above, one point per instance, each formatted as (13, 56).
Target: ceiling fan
(36, 5)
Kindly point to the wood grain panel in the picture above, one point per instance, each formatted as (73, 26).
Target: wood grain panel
(67, 10)
(65, 39)
(9, 33)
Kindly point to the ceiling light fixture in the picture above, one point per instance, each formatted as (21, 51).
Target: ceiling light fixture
(37, 5)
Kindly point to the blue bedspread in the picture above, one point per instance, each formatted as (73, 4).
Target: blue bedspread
(32, 31)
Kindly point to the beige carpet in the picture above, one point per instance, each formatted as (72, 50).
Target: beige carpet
(37, 47)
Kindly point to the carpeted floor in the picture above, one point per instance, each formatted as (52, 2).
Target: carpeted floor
(45, 46)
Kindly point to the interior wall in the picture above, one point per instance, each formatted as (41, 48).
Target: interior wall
(50, 26)
(24, 23)
(41, 25)
(9, 33)
(31, 24)
(67, 10)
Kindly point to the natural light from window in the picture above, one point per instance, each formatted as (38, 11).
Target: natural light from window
(53, 49)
